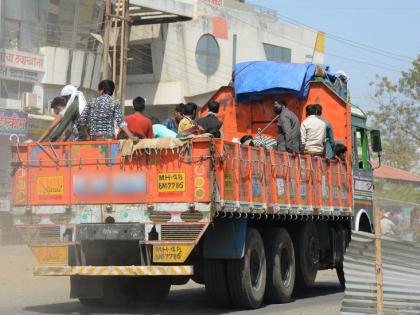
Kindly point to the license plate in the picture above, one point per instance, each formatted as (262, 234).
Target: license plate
(171, 182)
(51, 255)
(171, 253)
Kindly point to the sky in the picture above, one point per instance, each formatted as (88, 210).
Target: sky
(390, 29)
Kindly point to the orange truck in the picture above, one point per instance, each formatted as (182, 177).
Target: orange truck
(127, 222)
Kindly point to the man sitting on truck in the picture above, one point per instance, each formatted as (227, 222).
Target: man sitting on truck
(313, 131)
(340, 151)
(211, 124)
(288, 138)
(138, 124)
(100, 115)
(189, 116)
(172, 123)
(58, 105)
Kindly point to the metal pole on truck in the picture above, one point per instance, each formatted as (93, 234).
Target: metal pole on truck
(127, 23)
(107, 30)
(378, 265)
(116, 32)
(123, 54)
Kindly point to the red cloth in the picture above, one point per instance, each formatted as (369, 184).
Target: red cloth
(140, 124)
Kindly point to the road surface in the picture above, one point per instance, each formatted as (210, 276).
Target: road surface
(22, 293)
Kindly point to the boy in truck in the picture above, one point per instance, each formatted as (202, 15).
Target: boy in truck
(211, 124)
(58, 105)
(97, 119)
(138, 124)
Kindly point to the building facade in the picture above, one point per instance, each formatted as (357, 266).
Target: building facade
(46, 44)
(188, 61)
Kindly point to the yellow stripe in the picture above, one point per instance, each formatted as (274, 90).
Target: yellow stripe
(150, 271)
(118, 270)
(112, 270)
(101, 270)
(172, 270)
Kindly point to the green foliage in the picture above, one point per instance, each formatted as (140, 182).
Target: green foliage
(395, 191)
(398, 117)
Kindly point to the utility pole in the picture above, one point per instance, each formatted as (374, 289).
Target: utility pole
(107, 29)
(125, 36)
(378, 265)
(116, 32)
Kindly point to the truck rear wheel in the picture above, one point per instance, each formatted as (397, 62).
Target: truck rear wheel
(306, 245)
(280, 266)
(247, 276)
(216, 282)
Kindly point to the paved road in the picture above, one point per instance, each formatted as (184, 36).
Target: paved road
(21, 293)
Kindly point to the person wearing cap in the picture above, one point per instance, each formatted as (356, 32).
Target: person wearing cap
(65, 124)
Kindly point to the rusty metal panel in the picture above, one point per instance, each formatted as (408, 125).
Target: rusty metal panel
(401, 273)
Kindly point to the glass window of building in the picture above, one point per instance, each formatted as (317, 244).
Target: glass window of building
(207, 54)
(14, 89)
(277, 53)
(139, 59)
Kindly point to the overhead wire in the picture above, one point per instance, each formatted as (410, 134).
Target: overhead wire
(304, 44)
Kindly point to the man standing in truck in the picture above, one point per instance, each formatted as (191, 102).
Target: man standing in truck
(329, 136)
(313, 131)
(288, 137)
(100, 114)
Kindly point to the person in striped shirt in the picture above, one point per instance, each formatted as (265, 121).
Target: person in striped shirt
(261, 141)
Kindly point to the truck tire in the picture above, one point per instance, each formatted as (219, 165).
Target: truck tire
(306, 245)
(216, 282)
(281, 268)
(247, 276)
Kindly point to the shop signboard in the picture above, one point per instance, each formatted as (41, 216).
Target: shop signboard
(21, 60)
(13, 123)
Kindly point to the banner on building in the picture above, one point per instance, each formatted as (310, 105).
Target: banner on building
(21, 60)
(13, 123)
(216, 3)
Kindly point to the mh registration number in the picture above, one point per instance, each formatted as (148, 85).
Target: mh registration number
(171, 253)
(171, 182)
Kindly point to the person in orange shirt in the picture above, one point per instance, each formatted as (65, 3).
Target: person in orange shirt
(138, 124)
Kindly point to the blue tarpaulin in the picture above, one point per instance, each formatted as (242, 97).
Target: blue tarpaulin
(254, 80)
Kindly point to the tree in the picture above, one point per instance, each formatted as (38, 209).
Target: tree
(398, 117)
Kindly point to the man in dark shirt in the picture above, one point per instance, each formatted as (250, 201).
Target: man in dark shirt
(172, 123)
(288, 138)
(99, 115)
(137, 123)
(210, 123)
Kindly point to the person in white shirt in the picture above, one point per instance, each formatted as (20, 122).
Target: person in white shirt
(313, 132)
